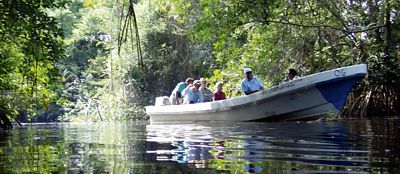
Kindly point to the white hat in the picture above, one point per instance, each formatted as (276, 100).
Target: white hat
(219, 84)
(203, 80)
(246, 70)
(197, 82)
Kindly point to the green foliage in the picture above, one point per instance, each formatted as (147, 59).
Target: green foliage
(96, 84)
(30, 45)
(311, 36)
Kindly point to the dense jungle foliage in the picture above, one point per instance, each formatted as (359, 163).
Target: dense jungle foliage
(94, 60)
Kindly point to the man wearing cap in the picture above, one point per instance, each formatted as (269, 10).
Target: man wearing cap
(177, 92)
(251, 84)
(193, 94)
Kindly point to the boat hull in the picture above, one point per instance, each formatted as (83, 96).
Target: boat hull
(309, 98)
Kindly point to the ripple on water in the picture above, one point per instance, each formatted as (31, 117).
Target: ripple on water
(353, 146)
(252, 146)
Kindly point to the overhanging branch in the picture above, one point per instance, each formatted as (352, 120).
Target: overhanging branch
(319, 26)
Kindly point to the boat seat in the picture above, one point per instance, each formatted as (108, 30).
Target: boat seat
(162, 101)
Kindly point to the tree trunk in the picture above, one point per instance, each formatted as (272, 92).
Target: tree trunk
(5, 122)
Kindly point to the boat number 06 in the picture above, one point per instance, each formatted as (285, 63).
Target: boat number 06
(339, 72)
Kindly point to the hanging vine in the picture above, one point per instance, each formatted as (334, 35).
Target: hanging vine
(128, 25)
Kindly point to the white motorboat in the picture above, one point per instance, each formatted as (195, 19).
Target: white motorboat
(307, 98)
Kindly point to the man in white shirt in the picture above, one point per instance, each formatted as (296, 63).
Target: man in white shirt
(251, 84)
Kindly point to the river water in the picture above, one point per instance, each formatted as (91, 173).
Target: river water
(347, 146)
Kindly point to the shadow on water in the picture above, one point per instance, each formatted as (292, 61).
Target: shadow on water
(348, 146)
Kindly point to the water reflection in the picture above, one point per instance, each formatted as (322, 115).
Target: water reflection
(352, 146)
(261, 147)
(382, 138)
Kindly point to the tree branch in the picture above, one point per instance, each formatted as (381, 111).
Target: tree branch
(319, 26)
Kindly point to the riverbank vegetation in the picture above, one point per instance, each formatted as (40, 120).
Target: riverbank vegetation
(102, 60)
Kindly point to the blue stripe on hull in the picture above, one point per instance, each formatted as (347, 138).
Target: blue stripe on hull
(336, 91)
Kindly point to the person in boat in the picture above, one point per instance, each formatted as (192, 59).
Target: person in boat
(218, 93)
(176, 95)
(207, 93)
(251, 84)
(192, 93)
(292, 75)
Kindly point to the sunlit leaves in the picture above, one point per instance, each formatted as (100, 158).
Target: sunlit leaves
(30, 45)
